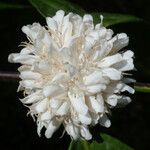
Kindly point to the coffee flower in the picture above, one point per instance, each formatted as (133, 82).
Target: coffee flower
(72, 73)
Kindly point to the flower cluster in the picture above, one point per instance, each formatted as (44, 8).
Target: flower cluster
(73, 73)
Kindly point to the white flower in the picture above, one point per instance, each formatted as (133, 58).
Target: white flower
(73, 73)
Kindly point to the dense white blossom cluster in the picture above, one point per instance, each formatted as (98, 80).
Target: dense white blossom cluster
(72, 73)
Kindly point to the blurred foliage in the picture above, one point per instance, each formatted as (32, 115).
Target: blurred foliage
(49, 8)
(109, 143)
(4, 5)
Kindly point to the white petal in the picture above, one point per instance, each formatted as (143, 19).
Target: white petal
(40, 125)
(45, 116)
(85, 133)
(32, 30)
(20, 58)
(72, 130)
(52, 127)
(96, 88)
(30, 75)
(112, 100)
(52, 24)
(60, 77)
(32, 98)
(42, 66)
(63, 109)
(30, 84)
(78, 102)
(119, 41)
(59, 17)
(87, 18)
(127, 88)
(95, 104)
(41, 106)
(26, 50)
(110, 60)
(85, 119)
(123, 101)
(55, 103)
(94, 78)
(112, 73)
(104, 121)
(52, 90)
(128, 54)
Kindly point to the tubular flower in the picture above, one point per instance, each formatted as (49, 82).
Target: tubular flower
(72, 73)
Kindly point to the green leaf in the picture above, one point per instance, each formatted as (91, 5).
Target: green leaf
(49, 7)
(109, 143)
(11, 6)
(79, 145)
(112, 19)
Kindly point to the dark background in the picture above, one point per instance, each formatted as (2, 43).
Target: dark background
(130, 124)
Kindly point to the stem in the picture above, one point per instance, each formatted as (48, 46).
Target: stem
(9, 76)
(142, 87)
(14, 76)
